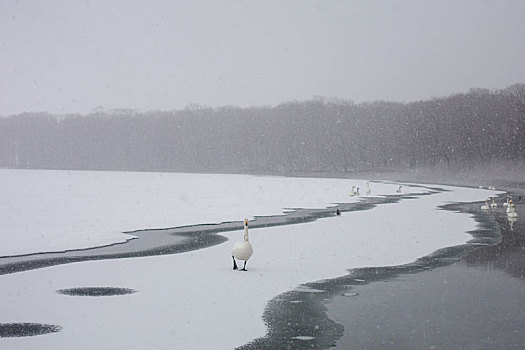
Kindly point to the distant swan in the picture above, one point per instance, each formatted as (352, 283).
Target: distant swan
(486, 206)
(493, 204)
(509, 205)
(511, 212)
(355, 191)
(400, 189)
(367, 190)
(242, 250)
(507, 202)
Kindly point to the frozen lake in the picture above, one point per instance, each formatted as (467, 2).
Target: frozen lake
(194, 299)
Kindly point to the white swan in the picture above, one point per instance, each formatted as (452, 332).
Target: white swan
(511, 212)
(509, 205)
(486, 206)
(399, 189)
(367, 190)
(506, 204)
(355, 191)
(493, 204)
(242, 250)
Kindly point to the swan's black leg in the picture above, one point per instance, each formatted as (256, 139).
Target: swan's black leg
(244, 267)
(234, 264)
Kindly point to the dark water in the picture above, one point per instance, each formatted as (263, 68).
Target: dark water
(26, 329)
(447, 308)
(96, 291)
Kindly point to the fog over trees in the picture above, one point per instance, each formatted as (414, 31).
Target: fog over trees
(319, 135)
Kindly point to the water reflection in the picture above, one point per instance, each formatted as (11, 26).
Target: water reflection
(511, 222)
(509, 254)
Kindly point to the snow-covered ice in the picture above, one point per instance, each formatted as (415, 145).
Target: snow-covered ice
(194, 300)
(47, 210)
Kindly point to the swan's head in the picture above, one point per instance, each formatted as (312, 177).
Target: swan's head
(245, 222)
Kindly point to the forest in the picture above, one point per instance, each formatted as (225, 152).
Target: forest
(321, 135)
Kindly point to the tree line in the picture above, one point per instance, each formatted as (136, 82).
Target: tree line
(318, 135)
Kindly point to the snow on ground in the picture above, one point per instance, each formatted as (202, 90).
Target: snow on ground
(194, 300)
(46, 210)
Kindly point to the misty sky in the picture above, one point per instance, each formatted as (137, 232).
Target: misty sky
(73, 56)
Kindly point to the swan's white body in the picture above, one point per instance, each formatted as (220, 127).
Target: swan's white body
(355, 191)
(511, 212)
(242, 250)
(493, 204)
(486, 206)
(510, 206)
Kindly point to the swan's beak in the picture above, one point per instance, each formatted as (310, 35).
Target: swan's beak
(245, 222)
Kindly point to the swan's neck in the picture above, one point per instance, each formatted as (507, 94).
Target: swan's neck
(246, 233)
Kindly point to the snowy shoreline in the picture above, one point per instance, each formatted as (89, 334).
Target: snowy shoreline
(186, 238)
(53, 210)
(285, 257)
